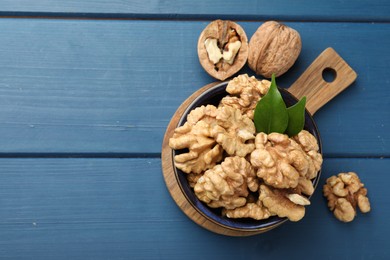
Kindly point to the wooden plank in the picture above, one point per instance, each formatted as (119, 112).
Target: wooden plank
(84, 86)
(89, 190)
(334, 10)
(120, 208)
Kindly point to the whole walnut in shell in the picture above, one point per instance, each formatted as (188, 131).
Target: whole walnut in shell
(273, 48)
(222, 49)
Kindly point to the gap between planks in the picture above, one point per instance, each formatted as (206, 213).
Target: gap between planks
(71, 155)
(80, 155)
(183, 17)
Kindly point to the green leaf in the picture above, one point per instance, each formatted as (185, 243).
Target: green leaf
(271, 112)
(296, 117)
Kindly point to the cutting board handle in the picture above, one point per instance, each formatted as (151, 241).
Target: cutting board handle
(312, 84)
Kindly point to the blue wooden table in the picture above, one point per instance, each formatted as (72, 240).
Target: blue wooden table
(87, 89)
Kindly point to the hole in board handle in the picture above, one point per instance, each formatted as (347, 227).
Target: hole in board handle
(329, 75)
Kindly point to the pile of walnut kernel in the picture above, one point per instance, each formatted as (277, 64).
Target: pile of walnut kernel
(247, 174)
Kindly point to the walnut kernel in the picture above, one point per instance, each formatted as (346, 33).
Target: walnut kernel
(226, 185)
(345, 192)
(233, 131)
(281, 162)
(195, 136)
(298, 199)
(245, 92)
(277, 203)
(255, 210)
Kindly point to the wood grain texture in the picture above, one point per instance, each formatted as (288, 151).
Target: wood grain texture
(312, 84)
(103, 86)
(326, 10)
(121, 209)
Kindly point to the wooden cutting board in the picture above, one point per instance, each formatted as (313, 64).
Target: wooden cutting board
(310, 84)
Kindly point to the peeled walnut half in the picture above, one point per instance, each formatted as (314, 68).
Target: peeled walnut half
(283, 163)
(276, 201)
(244, 93)
(345, 192)
(234, 132)
(222, 49)
(255, 210)
(200, 150)
(227, 184)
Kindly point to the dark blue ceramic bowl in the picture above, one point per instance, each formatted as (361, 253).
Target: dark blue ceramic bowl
(213, 96)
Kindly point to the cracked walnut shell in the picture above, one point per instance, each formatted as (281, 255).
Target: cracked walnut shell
(222, 49)
(245, 92)
(273, 48)
(226, 184)
(345, 192)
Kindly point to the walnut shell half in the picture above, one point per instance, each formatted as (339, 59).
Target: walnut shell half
(222, 49)
(273, 48)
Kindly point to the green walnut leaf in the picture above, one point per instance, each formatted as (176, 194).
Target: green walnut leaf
(296, 117)
(271, 112)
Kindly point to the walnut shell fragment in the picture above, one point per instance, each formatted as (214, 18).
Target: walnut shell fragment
(345, 192)
(222, 49)
(273, 48)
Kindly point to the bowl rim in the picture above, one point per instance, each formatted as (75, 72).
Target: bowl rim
(215, 91)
